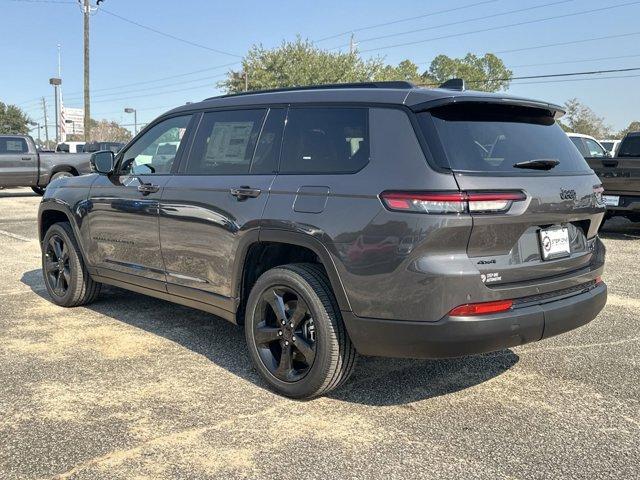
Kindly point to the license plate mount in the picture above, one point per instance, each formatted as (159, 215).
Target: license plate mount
(554, 243)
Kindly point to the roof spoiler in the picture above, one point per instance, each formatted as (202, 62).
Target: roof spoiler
(453, 84)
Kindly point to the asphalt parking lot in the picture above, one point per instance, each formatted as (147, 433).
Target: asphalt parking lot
(133, 387)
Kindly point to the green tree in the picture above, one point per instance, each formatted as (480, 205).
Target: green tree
(299, 63)
(487, 73)
(13, 120)
(633, 127)
(406, 70)
(581, 119)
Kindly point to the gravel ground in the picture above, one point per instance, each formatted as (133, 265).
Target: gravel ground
(133, 387)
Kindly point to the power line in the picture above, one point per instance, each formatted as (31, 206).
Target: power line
(459, 22)
(581, 60)
(168, 35)
(551, 75)
(578, 79)
(571, 42)
(401, 20)
(499, 27)
(165, 78)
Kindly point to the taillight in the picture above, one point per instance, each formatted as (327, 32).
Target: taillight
(484, 308)
(451, 202)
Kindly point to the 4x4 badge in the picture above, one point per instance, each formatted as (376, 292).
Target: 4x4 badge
(567, 194)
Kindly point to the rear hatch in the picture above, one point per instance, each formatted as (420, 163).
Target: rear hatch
(547, 224)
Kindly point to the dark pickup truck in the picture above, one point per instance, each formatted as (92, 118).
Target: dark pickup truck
(21, 165)
(620, 177)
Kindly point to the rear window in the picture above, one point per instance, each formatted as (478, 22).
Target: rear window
(325, 140)
(493, 138)
(630, 147)
(13, 145)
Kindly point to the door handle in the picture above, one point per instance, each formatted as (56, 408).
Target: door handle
(244, 192)
(26, 159)
(147, 188)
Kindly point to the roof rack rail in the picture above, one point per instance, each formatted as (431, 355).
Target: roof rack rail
(327, 86)
(453, 84)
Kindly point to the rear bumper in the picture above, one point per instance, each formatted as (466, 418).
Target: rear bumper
(629, 205)
(458, 336)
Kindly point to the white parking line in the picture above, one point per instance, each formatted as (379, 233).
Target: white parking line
(13, 235)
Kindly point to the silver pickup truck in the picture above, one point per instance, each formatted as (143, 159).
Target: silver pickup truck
(21, 165)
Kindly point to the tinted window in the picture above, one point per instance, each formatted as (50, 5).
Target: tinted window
(225, 142)
(267, 153)
(630, 147)
(13, 145)
(595, 150)
(325, 140)
(493, 138)
(156, 150)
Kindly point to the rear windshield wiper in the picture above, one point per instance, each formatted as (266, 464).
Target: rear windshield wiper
(540, 164)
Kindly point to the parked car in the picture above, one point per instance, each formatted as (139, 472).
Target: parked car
(610, 146)
(115, 147)
(70, 147)
(377, 218)
(588, 146)
(621, 179)
(21, 165)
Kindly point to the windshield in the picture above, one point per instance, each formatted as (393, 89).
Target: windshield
(494, 138)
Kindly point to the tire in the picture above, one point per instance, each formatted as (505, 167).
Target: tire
(322, 355)
(58, 175)
(38, 190)
(65, 275)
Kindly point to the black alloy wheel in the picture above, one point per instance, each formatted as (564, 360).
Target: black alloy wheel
(285, 334)
(57, 268)
(65, 274)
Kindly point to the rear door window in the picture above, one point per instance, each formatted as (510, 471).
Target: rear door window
(630, 147)
(325, 140)
(494, 138)
(13, 145)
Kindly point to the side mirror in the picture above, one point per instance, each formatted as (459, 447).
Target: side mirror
(102, 162)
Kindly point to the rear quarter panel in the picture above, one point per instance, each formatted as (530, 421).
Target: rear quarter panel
(377, 254)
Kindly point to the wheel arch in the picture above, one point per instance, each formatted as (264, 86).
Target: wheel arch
(278, 247)
(64, 168)
(51, 213)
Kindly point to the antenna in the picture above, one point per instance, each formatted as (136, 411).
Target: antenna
(453, 84)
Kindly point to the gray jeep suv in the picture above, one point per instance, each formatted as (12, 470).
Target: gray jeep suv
(376, 218)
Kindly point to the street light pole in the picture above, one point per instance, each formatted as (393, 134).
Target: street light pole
(56, 82)
(87, 102)
(135, 118)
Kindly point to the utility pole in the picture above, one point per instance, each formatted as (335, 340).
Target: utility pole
(246, 81)
(46, 127)
(86, 11)
(352, 44)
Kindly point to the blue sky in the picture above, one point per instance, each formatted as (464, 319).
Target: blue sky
(128, 61)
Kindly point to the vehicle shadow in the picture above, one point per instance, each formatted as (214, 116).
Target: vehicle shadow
(620, 229)
(376, 381)
(16, 194)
